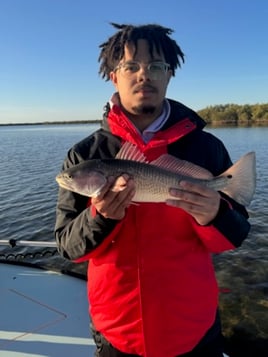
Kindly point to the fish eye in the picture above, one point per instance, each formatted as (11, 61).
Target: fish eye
(68, 176)
(229, 176)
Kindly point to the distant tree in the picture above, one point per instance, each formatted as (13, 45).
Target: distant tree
(234, 114)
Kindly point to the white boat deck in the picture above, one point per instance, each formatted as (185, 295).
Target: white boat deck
(43, 313)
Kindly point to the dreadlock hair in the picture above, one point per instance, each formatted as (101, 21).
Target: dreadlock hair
(157, 36)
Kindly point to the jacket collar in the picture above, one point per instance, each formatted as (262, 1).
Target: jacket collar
(180, 122)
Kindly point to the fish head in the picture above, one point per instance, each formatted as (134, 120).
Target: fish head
(83, 181)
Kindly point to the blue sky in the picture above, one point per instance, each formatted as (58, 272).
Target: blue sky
(49, 54)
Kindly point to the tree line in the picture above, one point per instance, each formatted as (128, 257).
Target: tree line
(217, 115)
(236, 115)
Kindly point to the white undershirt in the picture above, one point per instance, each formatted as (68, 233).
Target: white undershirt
(157, 124)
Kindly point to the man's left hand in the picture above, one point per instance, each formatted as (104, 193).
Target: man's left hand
(198, 200)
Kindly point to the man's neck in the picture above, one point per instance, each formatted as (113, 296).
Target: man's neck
(142, 121)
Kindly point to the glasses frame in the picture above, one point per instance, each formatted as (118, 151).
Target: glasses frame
(166, 67)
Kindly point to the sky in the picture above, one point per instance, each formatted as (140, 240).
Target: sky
(49, 54)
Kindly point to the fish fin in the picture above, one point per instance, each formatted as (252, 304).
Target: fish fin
(241, 187)
(181, 167)
(130, 151)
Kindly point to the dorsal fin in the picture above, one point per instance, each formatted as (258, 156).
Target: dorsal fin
(130, 151)
(182, 167)
(168, 162)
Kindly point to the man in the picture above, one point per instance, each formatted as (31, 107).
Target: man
(151, 283)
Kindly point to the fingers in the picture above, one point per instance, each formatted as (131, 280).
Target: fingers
(196, 188)
(199, 201)
(120, 184)
(192, 193)
(115, 197)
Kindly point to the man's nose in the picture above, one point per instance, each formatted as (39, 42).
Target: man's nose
(144, 73)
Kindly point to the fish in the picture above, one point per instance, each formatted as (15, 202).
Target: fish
(154, 179)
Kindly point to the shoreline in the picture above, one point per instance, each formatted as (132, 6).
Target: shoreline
(72, 122)
(86, 122)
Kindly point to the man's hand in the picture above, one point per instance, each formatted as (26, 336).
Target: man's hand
(199, 201)
(115, 197)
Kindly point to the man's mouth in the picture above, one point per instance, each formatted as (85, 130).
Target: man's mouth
(145, 89)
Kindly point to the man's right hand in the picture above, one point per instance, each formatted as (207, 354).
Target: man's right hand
(115, 197)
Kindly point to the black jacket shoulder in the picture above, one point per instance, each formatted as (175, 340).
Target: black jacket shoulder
(101, 144)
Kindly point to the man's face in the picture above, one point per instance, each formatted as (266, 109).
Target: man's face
(141, 89)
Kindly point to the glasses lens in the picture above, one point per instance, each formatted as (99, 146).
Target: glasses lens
(156, 70)
(129, 68)
(157, 67)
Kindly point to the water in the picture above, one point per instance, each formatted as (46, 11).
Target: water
(31, 156)
(243, 273)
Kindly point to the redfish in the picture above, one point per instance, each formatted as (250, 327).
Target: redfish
(154, 179)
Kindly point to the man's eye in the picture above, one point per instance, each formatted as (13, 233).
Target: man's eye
(156, 67)
(131, 67)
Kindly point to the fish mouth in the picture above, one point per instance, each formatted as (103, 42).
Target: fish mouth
(62, 183)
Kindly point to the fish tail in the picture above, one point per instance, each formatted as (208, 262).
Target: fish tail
(242, 179)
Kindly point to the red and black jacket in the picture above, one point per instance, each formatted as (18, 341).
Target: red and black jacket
(151, 278)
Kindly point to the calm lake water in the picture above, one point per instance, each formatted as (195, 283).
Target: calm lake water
(31, 156)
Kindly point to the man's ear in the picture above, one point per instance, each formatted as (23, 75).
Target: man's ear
(113, 78)
(169, 75)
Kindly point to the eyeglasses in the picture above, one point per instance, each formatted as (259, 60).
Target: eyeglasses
(156, 70)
